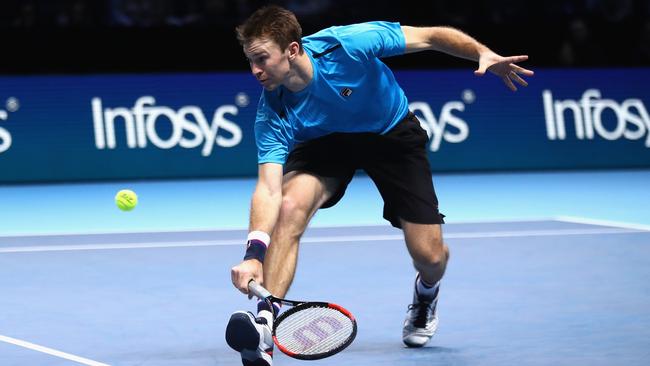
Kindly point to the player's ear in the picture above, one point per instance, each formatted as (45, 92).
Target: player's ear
(294, 50)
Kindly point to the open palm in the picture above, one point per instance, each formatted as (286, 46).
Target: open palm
(505, 68)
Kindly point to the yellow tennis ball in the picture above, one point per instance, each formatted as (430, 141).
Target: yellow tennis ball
(126, 200)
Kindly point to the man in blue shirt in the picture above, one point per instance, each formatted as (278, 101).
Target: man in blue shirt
(330, 106)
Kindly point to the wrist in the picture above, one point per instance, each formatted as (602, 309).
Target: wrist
(256, 245)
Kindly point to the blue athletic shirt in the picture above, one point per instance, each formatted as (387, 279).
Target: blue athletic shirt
(351, 90)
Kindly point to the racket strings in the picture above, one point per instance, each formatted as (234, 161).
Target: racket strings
(314, 330)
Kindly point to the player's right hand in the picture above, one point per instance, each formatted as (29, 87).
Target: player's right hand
(246, 271)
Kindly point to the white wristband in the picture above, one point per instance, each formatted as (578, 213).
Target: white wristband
(261, 236)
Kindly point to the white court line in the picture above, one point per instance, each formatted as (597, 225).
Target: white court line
(241, 228)
(569, 219)
(588, 221)
(49, 351)
(316, 239)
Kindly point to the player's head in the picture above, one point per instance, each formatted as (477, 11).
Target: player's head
(271, 38)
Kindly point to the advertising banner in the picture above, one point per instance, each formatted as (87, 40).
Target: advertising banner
(104, 127)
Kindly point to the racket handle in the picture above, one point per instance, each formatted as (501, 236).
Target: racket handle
(258, 290)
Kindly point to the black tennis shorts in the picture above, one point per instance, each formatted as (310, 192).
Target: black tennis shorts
(396, 162)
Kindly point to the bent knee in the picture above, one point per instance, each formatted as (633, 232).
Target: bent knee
(431, 260)
(293, 219)
(291, 206)
(433, 256)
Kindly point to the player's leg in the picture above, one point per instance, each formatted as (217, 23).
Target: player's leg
(399, 167)
(314, 178)
(429, 253)
(302, 195)
(316, 175)
(430, 256)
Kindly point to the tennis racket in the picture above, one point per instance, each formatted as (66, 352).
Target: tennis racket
(309, 330)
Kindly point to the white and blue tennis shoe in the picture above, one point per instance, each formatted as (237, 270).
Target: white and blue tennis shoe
(251, 337)
(421, 320)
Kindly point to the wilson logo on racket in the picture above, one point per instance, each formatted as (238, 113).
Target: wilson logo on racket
(317, 331)
(309, 330)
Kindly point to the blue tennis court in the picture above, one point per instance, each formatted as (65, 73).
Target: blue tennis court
(561, 288)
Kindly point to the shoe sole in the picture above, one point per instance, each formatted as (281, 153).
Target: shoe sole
(257, 362)
(414, 345)
(241, 333)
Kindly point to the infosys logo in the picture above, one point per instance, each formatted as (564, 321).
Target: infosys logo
(5, 136)
(448, 126)
(593, 116)
(189, 125)
(11, 105)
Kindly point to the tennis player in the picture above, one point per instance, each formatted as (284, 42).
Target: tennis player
(330, 106)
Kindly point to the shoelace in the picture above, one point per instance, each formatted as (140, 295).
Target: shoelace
(421, 313)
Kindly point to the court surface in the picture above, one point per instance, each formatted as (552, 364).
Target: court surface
(546, 269)
(547, 292)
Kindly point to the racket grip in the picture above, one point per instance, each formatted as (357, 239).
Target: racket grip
(258, 290)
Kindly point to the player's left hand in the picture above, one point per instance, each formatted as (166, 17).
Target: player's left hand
(505, 68)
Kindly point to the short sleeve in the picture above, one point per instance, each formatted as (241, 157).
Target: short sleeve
(271, 135)
(373, 39)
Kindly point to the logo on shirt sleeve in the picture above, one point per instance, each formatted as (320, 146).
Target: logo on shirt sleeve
(346, 92)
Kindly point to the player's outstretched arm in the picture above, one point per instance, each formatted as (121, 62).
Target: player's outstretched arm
(265, 209)
(456, 43)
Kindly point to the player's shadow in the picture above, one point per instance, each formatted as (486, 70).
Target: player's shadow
(395, 347)
(392, 353)
(398, 349)
(433, 349)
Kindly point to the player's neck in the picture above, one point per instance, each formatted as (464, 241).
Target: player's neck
(302, 71)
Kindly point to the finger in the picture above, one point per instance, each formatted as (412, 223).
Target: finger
(243, 285)
(256, 279)
(234, 276)
(515, 59)
(521, 70)
(509, 83)
(239, 286)
(482, 68)
(518, 79)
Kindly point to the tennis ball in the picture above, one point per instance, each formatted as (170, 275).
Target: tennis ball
(126, 200)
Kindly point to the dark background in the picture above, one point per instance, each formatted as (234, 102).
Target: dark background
(143, 36)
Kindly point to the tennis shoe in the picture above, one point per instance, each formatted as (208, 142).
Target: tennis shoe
(251, 337)
(421, 320)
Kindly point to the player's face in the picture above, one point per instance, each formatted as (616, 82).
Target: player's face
(268, 62)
